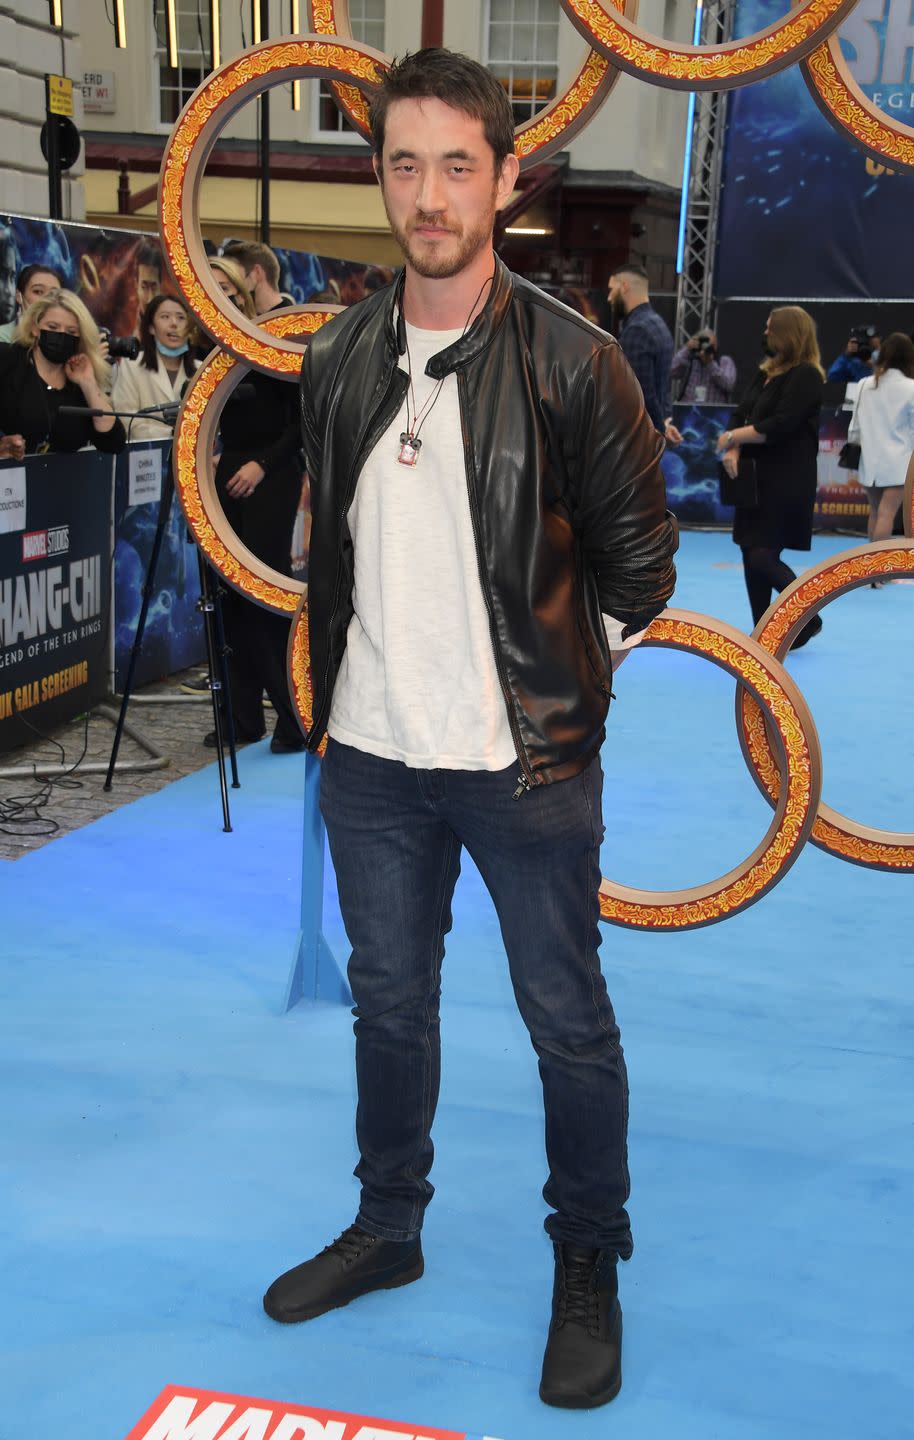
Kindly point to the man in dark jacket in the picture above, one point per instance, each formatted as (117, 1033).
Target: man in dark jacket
(644, 337)
(488, 526)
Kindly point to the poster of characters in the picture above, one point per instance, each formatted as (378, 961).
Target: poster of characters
(116, 273)
(803, 211)
(692, 472)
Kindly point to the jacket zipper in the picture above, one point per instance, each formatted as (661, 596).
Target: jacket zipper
(318, 722)
(525, 780)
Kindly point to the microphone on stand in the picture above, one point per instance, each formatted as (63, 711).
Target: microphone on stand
(167, 411)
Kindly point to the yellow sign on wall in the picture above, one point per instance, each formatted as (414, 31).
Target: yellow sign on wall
(60, 95)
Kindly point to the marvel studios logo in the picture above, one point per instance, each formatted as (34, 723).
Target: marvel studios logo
(40, 544)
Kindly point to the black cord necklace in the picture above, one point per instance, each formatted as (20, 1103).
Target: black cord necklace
(410, 444)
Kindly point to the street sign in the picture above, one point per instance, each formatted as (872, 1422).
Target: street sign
(98, 92)
(60, 95)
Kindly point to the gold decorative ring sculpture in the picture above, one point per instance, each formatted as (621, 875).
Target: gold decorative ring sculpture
(707, 67)
(796, 746)
(830, 83)
(195, 481)
(199, 126)
(538, 138)
(889, 559)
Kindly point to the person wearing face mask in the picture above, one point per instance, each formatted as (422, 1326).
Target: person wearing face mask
(160, 373)
(777, 423)
(56, 361)
(229, 275)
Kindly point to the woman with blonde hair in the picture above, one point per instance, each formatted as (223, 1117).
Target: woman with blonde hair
(777, 424)
(230, 279)
(883, 426)
(57, 361)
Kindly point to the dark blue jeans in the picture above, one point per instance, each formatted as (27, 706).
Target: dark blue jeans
(395, 837)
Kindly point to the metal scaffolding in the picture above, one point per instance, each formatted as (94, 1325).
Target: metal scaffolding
(698, 238)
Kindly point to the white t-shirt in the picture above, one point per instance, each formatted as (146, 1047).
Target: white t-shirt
(418, 681)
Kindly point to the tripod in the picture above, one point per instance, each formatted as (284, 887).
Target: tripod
(210, 607)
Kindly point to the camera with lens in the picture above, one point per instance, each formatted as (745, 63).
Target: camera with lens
(705, 343)
(122, 347)
(864, 335)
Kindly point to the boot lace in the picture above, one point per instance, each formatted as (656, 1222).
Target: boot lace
(579, 1297)
(351, 1245)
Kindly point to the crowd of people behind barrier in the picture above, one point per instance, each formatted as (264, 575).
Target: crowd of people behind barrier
(54, 362)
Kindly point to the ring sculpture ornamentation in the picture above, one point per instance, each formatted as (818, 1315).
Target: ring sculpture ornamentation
(195, 481)
(888, 559)
(776, 730)
(798, 763)
(706, 67)
(830, 83)
(190, 144)
(537, 139)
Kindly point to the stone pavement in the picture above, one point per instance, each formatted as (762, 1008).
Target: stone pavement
(35, 811)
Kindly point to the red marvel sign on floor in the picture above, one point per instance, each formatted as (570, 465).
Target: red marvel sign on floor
(188, 1414)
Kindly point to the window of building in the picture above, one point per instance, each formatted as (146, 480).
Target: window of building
(176, 85)
(366, 18)
(522, 50)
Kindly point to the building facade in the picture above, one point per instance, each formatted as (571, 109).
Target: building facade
(30, 48)
(613, 195)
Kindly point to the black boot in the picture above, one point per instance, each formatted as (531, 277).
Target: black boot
(811, 628)
(352, 1266)
(582, 1366)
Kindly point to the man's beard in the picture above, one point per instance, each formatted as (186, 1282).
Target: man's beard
(436, 266)
(617, 310)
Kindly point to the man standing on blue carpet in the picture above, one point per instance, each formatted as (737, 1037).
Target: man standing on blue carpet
(489, 526)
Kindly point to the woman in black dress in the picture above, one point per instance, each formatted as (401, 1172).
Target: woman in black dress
(56, 361)
(777, 421)
(259, 481)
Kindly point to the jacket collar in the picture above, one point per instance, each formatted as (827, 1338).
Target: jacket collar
(480, 334)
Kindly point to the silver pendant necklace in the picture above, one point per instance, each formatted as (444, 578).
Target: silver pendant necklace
(410, 443)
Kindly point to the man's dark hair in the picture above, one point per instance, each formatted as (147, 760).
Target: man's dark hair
(632, 269)
(28, 272)
(149, 255)
(456, 80)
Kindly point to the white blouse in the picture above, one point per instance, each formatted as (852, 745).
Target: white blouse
(883, 426)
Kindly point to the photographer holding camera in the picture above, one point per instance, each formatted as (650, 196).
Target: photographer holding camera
(707, 378)
(159, 374)
(858, 357)
(56, 363)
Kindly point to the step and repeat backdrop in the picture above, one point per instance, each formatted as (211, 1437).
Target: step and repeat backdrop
(76, 534)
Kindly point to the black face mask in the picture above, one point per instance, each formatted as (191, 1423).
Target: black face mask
(57, 346)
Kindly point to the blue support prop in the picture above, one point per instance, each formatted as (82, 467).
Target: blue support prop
(315, 973)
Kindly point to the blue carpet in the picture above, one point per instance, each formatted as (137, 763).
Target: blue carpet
(172, 1141)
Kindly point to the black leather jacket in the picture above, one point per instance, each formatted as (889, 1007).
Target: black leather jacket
(566, 499)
